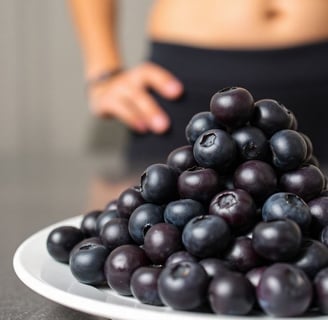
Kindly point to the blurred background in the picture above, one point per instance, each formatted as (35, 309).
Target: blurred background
(44, 118)
(44, 110)
(50, 154)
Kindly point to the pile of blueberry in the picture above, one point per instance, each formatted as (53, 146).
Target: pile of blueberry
(235, 222)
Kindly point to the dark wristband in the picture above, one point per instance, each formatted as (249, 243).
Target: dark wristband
(103, 77)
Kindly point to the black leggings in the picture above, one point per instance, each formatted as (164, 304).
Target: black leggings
(296, 76)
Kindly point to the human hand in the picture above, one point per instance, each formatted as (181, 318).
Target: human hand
(125, 97)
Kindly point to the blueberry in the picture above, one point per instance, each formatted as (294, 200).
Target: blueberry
(284, 291)
(142, 219)
(181, 159)
(307, 182)
(312, 258)
(215, 149)
(180, 256)
(236, 207)
(87, 261)
(288, 150)
(321, 290)
(251, 143)
(215, 267)
(183, 285)
(206, 236)
(158, 184)
(271, 116)
(104, 217)
(144, 285)
(111, 205)
(120, 265)
(61, 241)
(129, 200)
(242, 256)
(88, 223)
(309, 146)
(115, 233)
(319, 212)
(284, 205)
(257, 178)
(277, 240)
(179, 212)
(199, 184)
(314, 160)
(232, 107)
(255, 275)
(161, 241)
(232, 293)
(200, 123)
(324, 236)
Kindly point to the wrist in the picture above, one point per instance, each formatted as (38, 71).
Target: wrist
(102, 77)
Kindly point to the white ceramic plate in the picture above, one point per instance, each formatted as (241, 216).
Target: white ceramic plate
(53, 280)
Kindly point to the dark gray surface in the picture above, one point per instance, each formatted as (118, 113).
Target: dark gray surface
(35, 193)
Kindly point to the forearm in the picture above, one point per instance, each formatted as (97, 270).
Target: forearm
(95, 23)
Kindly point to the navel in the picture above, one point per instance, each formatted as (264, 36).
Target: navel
(272, 14)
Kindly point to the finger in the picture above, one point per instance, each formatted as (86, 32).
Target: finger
(162, 81)
(124, 110)
(155, 118)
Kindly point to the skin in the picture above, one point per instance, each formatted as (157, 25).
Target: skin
(237, 24)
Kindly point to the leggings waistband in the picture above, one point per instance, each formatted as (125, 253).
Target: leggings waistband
(305, 65)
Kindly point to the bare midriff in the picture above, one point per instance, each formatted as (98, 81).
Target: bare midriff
(239, 23)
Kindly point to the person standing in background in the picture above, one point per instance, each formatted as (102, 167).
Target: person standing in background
(276, 49)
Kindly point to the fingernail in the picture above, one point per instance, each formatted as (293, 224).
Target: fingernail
(174, 87)
(159, 124)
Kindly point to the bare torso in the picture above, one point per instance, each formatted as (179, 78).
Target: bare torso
(239, 23)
